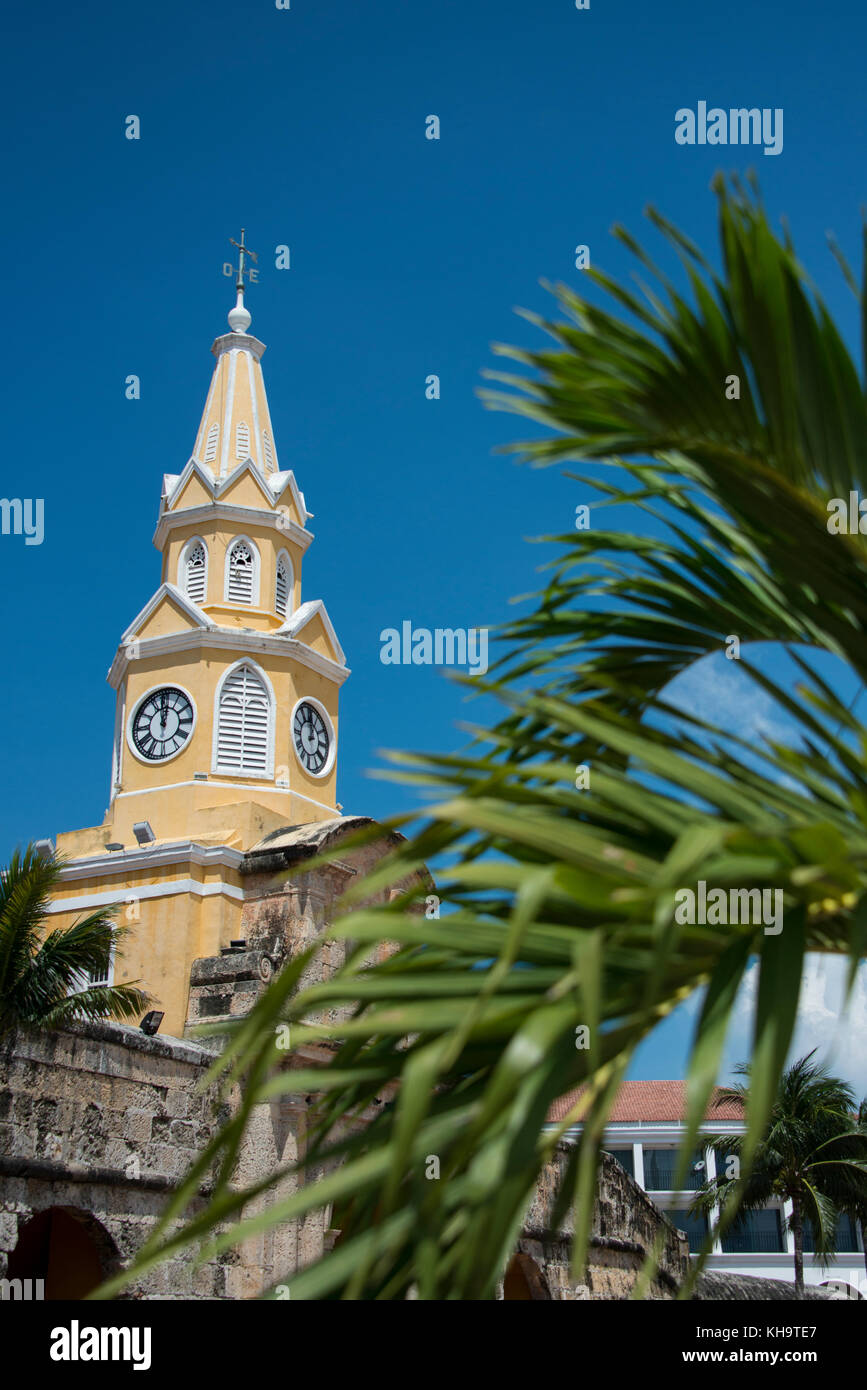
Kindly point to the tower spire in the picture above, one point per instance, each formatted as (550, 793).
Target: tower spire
(239, 317)
(236, 424)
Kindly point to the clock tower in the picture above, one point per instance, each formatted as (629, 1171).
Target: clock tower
(227, 685)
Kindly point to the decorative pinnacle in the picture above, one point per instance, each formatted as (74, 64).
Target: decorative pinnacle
(239, 317)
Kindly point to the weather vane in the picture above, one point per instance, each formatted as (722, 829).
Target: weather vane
(229, 269)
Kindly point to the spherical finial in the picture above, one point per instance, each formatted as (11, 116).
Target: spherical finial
(239, 317)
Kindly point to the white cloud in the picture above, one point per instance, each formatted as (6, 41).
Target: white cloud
(720, 692)
(841, 1039)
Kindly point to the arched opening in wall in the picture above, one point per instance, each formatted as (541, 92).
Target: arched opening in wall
(68, 1248)
(524, 1280)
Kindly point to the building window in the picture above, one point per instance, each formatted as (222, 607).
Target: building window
(847, 1236)
(283, 587)
(242, 572)
(243, 740)
(194, 570)
(660, 1168)
(694, 1226)
(211, 445)
(88, 979)
(755, 1232)
(269, 452)
(624, 1158)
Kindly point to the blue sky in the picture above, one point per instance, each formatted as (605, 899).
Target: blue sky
(408, 258)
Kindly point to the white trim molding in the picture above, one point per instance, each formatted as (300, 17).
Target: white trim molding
(272, 486)
(222, 639)
(221, 512)
(151, 857)
(166, 590)
(302, 616)
(148, 890)
(239, 786)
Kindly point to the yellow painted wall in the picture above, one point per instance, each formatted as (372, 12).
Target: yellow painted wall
(164, 934)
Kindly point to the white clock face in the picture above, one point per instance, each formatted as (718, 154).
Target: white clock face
(311, 737)
(162, 723)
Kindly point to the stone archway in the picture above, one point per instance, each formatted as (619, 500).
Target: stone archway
(67, 1248)
(524, 1280)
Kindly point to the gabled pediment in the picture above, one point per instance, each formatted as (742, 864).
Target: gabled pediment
(245, 486)
(311, 625)
(168, 611)
(194, 487)
(285, 491)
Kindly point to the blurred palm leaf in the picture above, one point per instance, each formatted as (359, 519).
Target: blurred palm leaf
(558, 903)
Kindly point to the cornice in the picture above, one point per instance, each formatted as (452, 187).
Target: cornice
(151, 857)
(224, 639)
(230, 511)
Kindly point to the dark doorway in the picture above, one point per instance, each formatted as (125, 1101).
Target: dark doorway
(524, 1280)
(67, 1248)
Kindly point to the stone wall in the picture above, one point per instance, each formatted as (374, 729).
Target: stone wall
(101, 1122)
(624, 1228)
(287, 909)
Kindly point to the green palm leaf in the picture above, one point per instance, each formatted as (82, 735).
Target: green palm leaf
(558, 904)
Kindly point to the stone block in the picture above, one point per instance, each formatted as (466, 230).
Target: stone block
(137, 1126)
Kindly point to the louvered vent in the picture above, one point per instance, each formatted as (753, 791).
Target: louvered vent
(242, 440)
(282, 587)
(211, 446)
(197, 562)
(269, 452)
(242, 724)
(241, 566)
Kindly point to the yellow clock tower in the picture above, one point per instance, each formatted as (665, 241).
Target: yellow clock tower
(227, 687)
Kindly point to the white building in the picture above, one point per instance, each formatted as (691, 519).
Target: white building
(644, 1134)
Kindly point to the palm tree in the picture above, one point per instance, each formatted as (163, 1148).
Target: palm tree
(800, 1157)
(726, 419)
(43, 974)
(853, 1199)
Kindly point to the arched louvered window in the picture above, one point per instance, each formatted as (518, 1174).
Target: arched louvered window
(242, 440)
(269, 451)
(283, 586)
(242, 572)
(194, 570)
(211, 444)
(243, 735)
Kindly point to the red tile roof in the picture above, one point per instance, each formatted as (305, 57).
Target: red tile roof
(649, 1101)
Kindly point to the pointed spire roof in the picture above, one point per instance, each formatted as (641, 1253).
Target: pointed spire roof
(236, 422)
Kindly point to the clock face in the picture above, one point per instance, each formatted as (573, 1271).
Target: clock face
(162, 723)
(311, 737)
